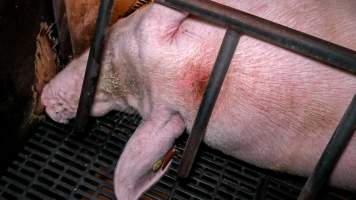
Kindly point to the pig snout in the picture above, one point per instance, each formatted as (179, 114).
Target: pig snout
(55, 107)
(61, 95)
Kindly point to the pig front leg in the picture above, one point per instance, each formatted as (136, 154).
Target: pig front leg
(154, 137)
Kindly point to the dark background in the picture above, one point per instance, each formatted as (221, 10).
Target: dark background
(19, 24)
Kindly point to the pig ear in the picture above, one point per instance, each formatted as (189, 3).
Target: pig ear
(149, 143)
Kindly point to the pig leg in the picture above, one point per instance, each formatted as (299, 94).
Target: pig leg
(153, 138)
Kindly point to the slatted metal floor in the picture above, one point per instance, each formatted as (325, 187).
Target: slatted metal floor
(56, 164)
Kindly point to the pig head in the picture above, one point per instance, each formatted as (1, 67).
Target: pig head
(126, 84)
(276, 109)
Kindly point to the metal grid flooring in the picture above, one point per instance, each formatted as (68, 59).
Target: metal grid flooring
(56, 164)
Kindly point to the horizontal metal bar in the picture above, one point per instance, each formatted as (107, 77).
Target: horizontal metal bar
(210, 96)
(93, 67)
(301, 43)
(331, 154)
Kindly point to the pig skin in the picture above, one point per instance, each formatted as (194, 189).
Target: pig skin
(276, 110)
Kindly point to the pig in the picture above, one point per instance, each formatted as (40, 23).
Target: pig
(276, 109)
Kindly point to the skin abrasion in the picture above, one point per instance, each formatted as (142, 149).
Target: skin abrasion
(193, 84)
(194, 81)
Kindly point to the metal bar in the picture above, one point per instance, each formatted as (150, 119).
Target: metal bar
(93, 67)
(210, 96)
(63, 34)
(301, 43)
(331, 154)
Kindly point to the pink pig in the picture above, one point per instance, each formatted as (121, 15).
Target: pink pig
(276, 110)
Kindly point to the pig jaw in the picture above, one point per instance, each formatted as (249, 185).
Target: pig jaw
(153, 138)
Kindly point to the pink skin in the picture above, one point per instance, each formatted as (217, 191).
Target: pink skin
(61, 96)
(276, 110)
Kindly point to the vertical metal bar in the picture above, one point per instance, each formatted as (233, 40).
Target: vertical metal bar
(63, 34)
(331, 154)
(209, 98)
(93, 67)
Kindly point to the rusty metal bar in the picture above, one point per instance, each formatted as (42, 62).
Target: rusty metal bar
(210, 96)
(93, 67)
(331, 154)
(298, 42)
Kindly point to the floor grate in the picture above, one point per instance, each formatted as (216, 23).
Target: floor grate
(56, 164)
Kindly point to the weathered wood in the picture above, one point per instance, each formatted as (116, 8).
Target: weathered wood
(46, 66)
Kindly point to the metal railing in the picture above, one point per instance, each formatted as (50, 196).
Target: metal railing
(92, 70)
(240, 23)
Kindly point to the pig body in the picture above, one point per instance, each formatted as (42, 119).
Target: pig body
(276, 109)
